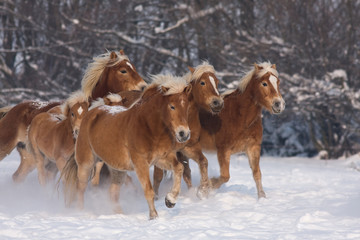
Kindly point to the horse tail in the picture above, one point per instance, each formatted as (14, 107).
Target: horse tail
(5, 110)
(69, 179)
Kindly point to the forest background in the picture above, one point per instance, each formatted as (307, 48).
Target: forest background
(46, 45)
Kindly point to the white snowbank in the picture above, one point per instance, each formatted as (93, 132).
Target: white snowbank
(306, 199)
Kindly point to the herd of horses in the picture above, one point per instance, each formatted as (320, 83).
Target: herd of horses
(120, 121)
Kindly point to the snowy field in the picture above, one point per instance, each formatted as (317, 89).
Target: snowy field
(306, 199)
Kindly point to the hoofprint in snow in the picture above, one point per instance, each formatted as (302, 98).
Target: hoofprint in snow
(306, 199)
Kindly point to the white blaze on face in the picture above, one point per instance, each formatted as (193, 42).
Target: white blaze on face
(212, 80)
(182, 102)
(130, 65)
(80, 111)
(273, 81)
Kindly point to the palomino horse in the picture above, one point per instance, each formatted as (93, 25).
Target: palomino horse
(238, 127)
(150, 132)
(204, 96)
(52, 137)
(109, 72)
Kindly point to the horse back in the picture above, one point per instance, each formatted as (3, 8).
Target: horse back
(103, 134)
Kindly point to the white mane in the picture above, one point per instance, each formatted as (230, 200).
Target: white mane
(244, 82)
(95, 69)
(173, 83)
(75, 97)
(113, 97)
(199, 70)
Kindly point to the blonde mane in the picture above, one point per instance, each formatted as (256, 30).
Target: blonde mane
(173, 83)
(75, 97)
(199, 70)
(113, 97)
(95, 69)
(244, 82)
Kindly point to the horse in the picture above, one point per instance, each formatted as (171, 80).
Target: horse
(204, 97)
(238, 127)
(52, 137)
(4, 111)
(109, 72)
(150, 132)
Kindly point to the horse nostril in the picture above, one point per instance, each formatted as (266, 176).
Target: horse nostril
(277, 104)
(216, 103)
(181, 133)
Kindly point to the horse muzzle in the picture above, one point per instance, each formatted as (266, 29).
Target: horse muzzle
(76, 133)
(278, 106)
(216, 105)
(182, 134)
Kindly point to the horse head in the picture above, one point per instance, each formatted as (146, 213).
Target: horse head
(111, 72)
(173, 103)
(205, 88)
(75, 109)
(266, 87)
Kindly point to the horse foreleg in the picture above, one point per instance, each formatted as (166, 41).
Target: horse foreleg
(178, 170)
(187, 171)
(83, 173)
(195, 153)
(27, 164)
(142, 172)
(96, 179)
(253, 154)
(117, 178)
(224, 163)
(51, 170)
(157, 178)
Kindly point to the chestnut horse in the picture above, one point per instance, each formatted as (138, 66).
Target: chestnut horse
(52, 137)
(125, 99)
(204, 96)
(150, 132)
(109, 72)
(238, 127)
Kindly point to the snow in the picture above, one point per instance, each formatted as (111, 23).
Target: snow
(307, 198)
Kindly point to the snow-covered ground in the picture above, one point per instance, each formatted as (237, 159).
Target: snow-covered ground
(306, 199)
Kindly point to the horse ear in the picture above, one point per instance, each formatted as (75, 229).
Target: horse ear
(107, 101)
(122, 52)
(273, 66)
(188, 89)
(257, 67)
(113, 55)
(65, 109)
(164, 89)
(192, 70)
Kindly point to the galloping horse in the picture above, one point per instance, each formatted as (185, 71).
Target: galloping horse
(109, 72)
(52, 137)
(238, 127)
(150, 132)
(204, 96)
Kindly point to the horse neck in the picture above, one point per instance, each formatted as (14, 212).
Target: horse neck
(101, 88)
(148, 113)
(65, 125)
(245, 106)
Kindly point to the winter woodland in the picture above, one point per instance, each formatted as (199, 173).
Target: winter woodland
(46, 45)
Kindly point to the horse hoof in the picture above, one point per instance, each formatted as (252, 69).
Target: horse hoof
(168, 203)
(153, 215)
(261, 195)
(203, 192)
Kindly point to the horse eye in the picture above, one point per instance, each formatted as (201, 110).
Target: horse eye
(264, 84)
(72, 115)
(202, 83)
(172, 107)
(123, 71)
